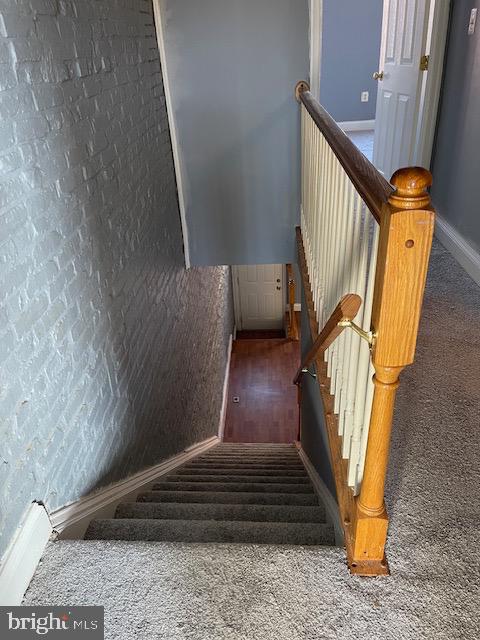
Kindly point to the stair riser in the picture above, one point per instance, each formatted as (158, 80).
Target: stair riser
(208, 531)
(287, 453)
(249, 513)
(234, 478)
(233, 486)
(261, 459)
(248, 446)
(247, 464)
(227, 497)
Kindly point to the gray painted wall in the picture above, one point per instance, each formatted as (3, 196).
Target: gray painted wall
(456, 158)
(350, 54)
(233, 67)
(112, 355)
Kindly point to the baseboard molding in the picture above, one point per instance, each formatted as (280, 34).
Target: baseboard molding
(223, 412)
(357, 125)
(20, 560)
(464, 253)
(325, 496)
(71, 521)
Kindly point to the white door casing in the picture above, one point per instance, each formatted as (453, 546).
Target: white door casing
(259, 295)
(404, 36)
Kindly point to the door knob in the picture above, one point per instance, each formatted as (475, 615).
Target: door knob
(378, 75)
(278, 288)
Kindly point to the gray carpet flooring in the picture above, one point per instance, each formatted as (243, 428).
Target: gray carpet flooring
(200, 591)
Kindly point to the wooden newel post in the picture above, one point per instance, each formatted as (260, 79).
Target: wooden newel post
(406, 231)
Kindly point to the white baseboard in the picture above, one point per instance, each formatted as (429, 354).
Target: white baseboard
(463, 252)
(223, 412)
(357, 125)
(23, 554)
(72, 520)
(325, 496)
(296, 307)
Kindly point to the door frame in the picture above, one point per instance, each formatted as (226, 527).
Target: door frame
(435, 47)
(236, 295)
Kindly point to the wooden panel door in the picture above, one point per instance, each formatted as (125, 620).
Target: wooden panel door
(404, 31)
(260, 296)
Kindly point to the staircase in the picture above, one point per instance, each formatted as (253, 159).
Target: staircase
(246, 493)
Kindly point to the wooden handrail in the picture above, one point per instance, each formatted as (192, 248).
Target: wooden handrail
(367, 180)
(346, 309)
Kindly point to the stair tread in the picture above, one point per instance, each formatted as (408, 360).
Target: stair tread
(303, 533)
(198, 511)
(235, 486)
(236, 471)
(229, 497)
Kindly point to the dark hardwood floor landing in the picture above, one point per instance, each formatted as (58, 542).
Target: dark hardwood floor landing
(261, 374)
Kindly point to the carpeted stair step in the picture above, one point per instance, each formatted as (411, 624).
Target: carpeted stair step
(248, 460)
(229, 497)
(253, 451)
(198, 511)
(293, 533)
(244, 464)
(245, 446)
(267, 487)
(197, 477)
(238, 471)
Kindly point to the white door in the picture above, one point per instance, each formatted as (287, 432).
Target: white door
(404, 32)
(260, 296)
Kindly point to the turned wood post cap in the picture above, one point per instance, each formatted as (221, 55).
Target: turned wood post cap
(411, 186)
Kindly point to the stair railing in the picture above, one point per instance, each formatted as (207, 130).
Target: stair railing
(363, 236)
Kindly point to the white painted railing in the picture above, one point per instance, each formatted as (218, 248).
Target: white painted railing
(340, 238)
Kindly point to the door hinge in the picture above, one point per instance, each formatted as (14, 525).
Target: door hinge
(424, 60)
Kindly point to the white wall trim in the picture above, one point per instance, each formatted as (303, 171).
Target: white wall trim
(226, 380)
(23, 554)
(357, 125)
(463, 252)
(296, 307)
(177, 160)
(325, 496)
(316, 31)
(72, 520)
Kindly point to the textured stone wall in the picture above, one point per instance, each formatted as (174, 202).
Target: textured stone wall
(112, 355)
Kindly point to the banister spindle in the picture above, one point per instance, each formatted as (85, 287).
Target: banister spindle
(406, 231)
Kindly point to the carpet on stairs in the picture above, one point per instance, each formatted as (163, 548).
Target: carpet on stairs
(234, 493)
